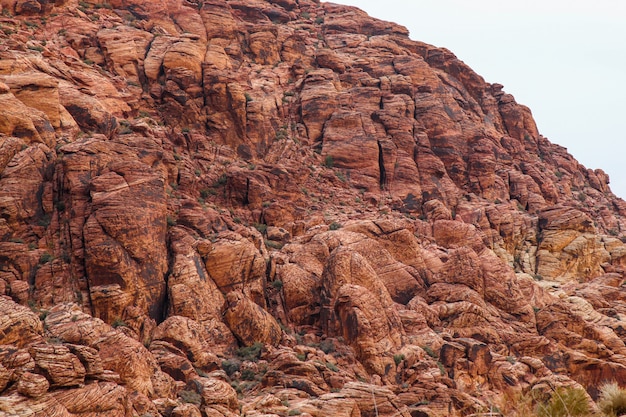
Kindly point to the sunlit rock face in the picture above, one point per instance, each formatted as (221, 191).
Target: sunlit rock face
(284, 207)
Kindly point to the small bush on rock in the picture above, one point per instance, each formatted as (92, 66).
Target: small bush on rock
(565, 402)
(190, 397)
(231, 366)
(250, 353)
(612, 400)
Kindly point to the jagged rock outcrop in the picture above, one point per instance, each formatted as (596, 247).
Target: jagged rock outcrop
(284, 207)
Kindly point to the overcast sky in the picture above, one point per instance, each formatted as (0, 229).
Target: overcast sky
(566, 60)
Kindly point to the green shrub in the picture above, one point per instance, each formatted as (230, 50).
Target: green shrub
(327, 346)
(230, 366)
(398, 358)
(516, 403)
(118, 322)
(221, 181)
(272, 244)
(278, 284)
(612, 400)
(332, 367)
(248, 375)
(190, 397)
(430, 352)
(260, 227)
(281, 134)
(565, 402)
(250, 353)
(44, 220)
(334, 226)
(442, 369)
(45, 258)
(206, 192)
(329, 161)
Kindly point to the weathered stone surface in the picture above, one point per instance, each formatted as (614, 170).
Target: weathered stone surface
(119, 254)
(186, 410)
(90, 359)
(249, 321)
(191, 290)
(61, 367)
(18, 324)
(20, 120)
(139, 371)
(173, 361)
(70, 324)
(5, 377)
(16, 361)
(124, 50)
(88, 112)
(569, 246)
(371, 398)
(191, 337)
(41, 92)
(32, 385)
(330, 404)
(216, 392)
(234, 263)
(203, 176)
(21, 181)
(352, 285)
(102, 397)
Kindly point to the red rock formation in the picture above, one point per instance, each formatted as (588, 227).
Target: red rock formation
(347, 221)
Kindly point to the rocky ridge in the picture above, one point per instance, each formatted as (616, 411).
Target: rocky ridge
(269, 208)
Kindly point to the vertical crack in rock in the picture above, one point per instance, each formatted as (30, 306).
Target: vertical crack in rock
(381, 168)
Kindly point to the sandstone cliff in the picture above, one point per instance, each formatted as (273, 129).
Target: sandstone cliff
(269, 208)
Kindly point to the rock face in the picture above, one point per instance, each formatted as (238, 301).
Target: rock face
(284, 207)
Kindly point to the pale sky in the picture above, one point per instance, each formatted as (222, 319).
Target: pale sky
(566, 60)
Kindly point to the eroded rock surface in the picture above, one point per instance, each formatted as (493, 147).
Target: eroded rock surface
(284, 207)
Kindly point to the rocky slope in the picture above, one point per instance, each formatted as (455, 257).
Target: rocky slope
(270, 208)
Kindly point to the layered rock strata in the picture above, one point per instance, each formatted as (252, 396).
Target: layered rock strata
(266, 208)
